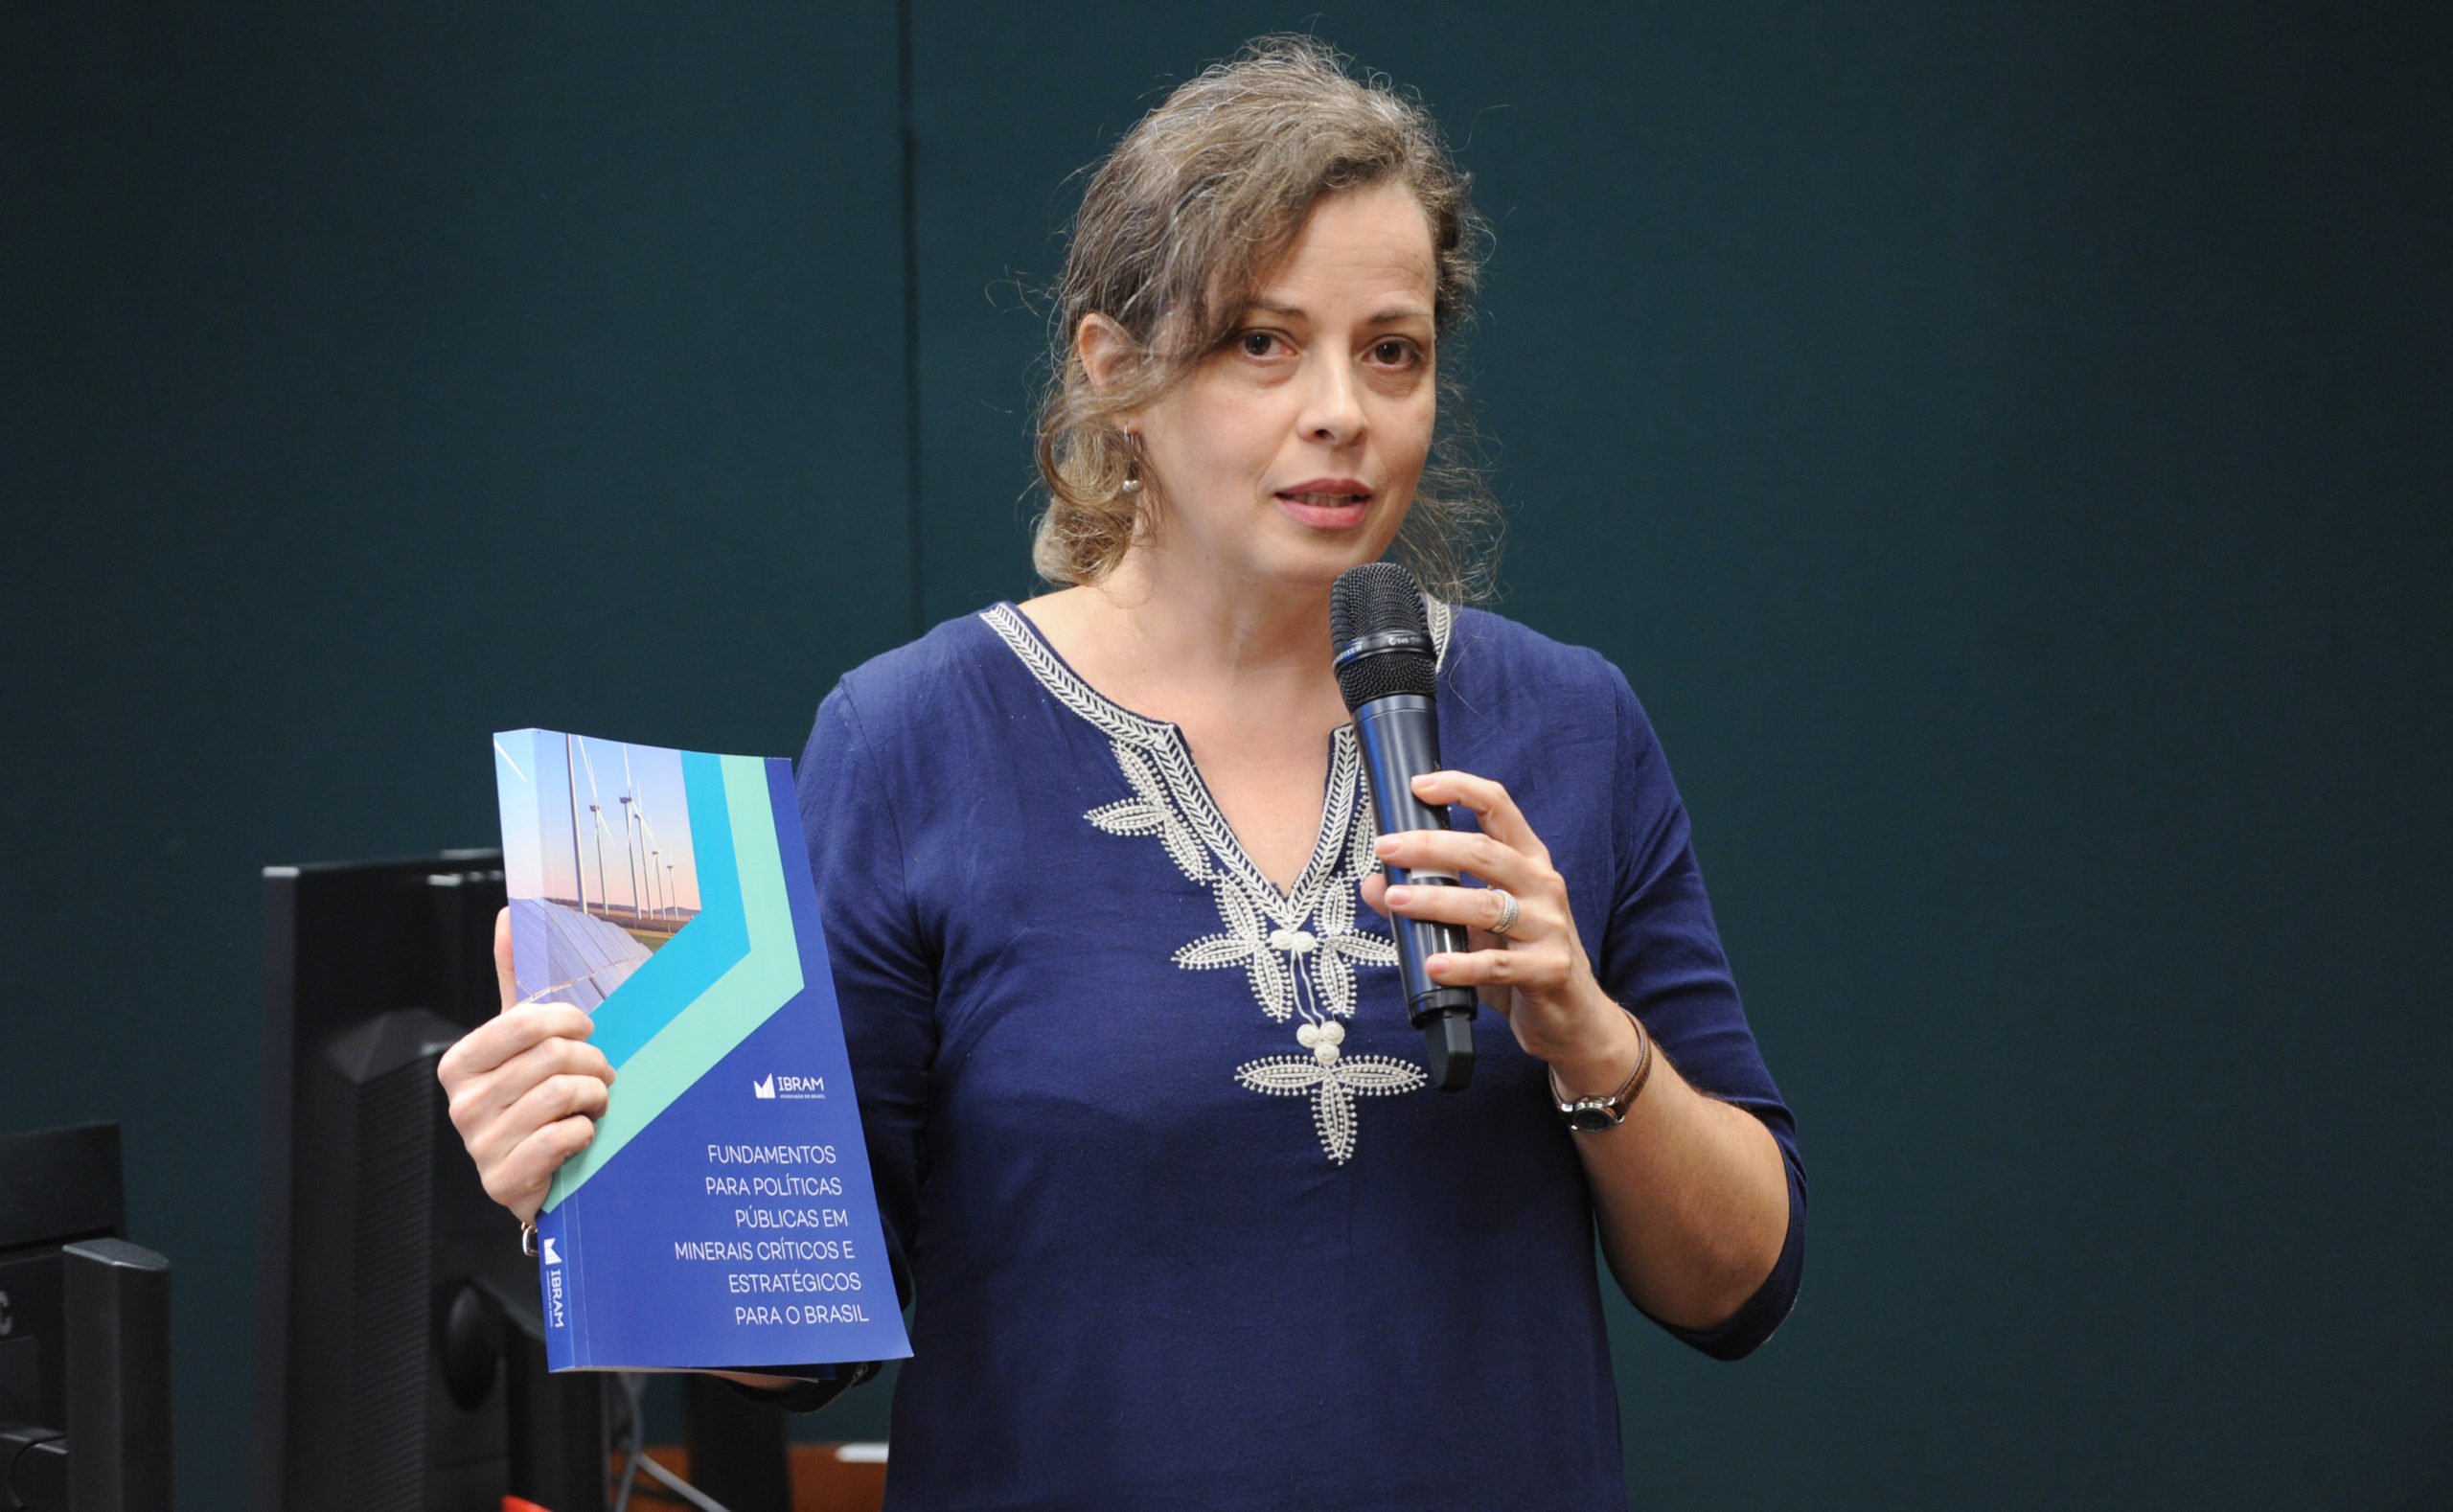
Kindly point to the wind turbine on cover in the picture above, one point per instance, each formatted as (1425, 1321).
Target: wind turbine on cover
(578, 864)
(629, 790)
(658, 865)
(595, 809)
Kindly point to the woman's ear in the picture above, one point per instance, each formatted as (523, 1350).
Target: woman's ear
(1104, 347)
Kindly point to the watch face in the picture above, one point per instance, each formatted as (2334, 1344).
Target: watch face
(1591, 1117)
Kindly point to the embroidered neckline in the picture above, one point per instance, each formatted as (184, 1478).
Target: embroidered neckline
(1163, 742)
(1298, 948)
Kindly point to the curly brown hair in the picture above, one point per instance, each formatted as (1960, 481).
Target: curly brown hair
(1177, 230)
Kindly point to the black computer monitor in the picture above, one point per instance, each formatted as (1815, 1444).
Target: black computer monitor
(85, 1333)
(399, 1360)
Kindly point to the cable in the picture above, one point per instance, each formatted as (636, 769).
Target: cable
(631, 1430)
(683, 1488)
(635, 1429)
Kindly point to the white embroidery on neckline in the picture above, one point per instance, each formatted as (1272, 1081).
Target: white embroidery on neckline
(1299, 947)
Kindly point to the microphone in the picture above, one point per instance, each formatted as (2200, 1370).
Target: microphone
(1389, 671)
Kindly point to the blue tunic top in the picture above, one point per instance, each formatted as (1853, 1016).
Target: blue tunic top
(1182, 1222)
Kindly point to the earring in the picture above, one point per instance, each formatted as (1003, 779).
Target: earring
(1132, 468)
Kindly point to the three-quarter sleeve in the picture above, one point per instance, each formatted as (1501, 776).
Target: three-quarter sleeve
(885, 975)
(885, 982)
(1661, 956)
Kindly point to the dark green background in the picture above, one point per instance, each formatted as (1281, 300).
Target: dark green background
(2005, 445)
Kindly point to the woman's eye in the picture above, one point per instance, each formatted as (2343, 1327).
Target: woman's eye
(1395, 352)
(1259, 343)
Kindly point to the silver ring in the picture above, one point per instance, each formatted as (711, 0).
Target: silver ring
(1510, 911)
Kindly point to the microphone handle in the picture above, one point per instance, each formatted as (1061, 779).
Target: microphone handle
(1400, 738)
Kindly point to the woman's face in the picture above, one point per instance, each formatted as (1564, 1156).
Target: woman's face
(1292, 453)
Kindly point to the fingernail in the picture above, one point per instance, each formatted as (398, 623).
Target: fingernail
(1401, 895)
(1384, 845)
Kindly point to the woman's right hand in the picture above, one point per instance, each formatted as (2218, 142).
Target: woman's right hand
(526, 1089)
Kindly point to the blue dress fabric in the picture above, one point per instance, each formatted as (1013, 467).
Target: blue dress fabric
(1181, 1220)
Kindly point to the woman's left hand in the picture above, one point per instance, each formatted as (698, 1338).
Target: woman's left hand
(1537, 976)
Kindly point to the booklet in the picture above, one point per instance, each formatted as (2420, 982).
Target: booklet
(723, 1218)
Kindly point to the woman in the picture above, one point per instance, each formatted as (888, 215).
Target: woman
(1152, 1138)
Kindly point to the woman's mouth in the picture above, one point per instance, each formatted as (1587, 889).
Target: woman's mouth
(1327, 503)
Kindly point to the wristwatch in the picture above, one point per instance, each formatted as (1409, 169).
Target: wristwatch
(1594, 1114)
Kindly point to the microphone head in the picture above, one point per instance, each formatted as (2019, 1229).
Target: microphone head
(1380, 634)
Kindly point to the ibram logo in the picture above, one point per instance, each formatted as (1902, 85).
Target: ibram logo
(789, 1088)
(550, 1257)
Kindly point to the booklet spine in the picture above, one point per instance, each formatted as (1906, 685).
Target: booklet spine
(562, 1277)
(557, 1230)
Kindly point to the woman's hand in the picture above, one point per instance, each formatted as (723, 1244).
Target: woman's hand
(1537, 976)
(526, 1089)
(1689, 1192)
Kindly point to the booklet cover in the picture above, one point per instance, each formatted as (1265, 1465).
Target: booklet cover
(723, 1218)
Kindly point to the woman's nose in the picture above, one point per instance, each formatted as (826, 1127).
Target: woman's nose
(1332, 403)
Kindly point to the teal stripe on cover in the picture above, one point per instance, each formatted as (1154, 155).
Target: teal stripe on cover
(764, 980)
(672, 979)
